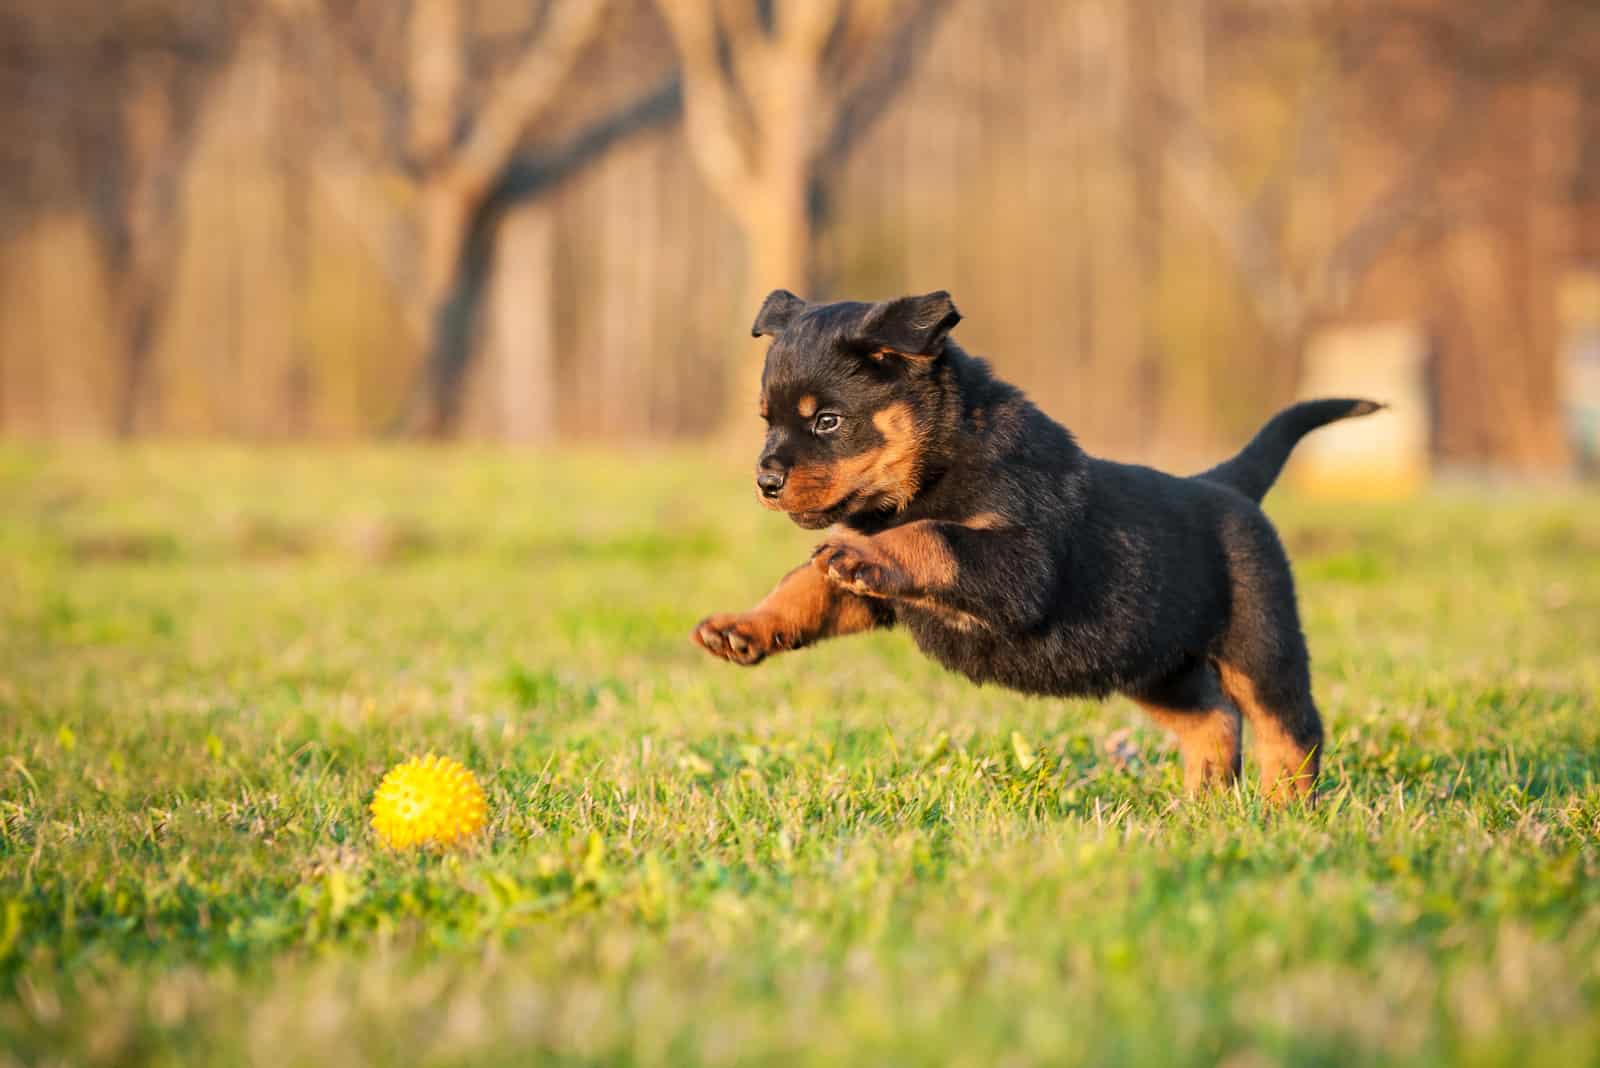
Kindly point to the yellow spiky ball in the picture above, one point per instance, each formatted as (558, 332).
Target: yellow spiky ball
(431, 800)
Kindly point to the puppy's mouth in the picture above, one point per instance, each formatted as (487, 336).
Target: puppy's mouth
(824, 517)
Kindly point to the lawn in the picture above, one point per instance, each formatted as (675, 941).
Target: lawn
(208, 658)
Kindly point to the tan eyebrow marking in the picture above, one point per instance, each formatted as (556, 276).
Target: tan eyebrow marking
(808, 406)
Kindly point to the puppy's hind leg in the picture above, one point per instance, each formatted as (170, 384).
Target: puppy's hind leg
(1192, 705)
(1266, 671)
(1285, 726)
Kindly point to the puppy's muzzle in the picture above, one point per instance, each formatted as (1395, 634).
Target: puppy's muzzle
(770, 480)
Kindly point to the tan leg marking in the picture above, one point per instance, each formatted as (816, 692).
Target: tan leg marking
(911, 564)
(987, 521)
(916, 553)
(1208, 741)
(803, 608)
(900, 562)
(1288, 769)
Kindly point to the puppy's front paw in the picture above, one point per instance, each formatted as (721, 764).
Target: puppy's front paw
(858, 568)
(744, 638)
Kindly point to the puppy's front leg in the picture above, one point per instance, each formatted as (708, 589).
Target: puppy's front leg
(804, 608)
(953, 569)
(908, 562)
(866, 567)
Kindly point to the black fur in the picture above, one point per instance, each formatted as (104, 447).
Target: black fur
(1090, 577)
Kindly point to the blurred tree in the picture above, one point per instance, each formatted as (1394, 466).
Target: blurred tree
(1147, 203)
(777, 94)
(1387, 98)
(478, 121)
(103, 103)
(1451, 56)
(1586, 172)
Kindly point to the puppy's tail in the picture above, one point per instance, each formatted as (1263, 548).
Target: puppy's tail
(1254, 470)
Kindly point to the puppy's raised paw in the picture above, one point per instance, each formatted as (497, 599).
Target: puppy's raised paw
(859, 568)
(743, 637)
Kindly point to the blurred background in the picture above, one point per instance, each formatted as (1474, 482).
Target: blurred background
(552, 220)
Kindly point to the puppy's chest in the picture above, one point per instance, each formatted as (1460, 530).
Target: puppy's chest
(1040, 663)
(975, 647)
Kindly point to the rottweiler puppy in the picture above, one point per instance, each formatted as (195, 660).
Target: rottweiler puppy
(962, 512)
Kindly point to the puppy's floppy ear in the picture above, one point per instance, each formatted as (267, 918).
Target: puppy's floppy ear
(780, 307)
(911, 326)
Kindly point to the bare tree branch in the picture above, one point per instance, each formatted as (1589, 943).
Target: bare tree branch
(343, 177)
(1310, 128)
(309, 25)
(1199, 172)
(458, 314)
(1412, 195)
(527, 91)
(893, 61)
(742, 22)
(532, 175)
(804, 28)
(717, 126)
(1288, 297)
(436, 78)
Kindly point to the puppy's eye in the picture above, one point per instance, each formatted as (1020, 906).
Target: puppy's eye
(826, 423)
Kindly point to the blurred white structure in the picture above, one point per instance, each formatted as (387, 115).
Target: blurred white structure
(1386, 454)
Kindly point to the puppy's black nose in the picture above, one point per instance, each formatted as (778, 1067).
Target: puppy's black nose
(771, 482)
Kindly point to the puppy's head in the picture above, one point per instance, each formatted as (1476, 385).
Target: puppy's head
(852, 402)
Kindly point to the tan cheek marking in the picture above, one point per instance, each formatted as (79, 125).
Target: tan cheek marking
(987, 521)
(846, 476)
(810, 488)
(898, 469)
(891, 470)
(807, 406)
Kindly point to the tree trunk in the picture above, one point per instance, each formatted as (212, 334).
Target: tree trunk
(524, 324)
(447, 211)
(137, 306)
(778, 236)
(142, 236)
(1145, 132)
(450, 289)
(777, 224)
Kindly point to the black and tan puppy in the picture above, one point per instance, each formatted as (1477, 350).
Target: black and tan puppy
(965, 514)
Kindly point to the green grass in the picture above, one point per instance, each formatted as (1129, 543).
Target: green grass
(208, 658)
